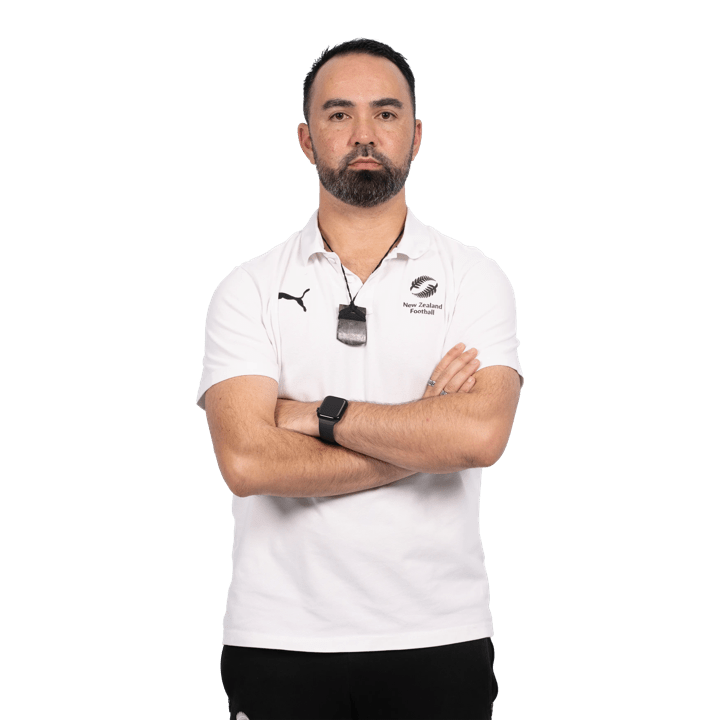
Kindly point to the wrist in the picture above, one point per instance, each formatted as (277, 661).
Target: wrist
(311, 425)
(297, 415)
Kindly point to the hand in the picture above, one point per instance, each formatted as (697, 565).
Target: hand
(454, 373)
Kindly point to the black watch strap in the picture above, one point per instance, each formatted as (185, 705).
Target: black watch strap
(326, 429)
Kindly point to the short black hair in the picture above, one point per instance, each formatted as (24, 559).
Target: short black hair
(361, 46)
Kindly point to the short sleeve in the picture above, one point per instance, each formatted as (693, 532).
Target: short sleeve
(484, 316)
(236, 337)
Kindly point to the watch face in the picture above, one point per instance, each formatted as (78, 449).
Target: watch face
(332, 407)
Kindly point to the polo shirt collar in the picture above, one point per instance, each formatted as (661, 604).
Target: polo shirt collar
(415, 241)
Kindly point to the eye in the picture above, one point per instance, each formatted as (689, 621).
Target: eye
(386, 115)
(337, 116)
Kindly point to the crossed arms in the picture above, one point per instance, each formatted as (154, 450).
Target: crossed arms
(267, 445)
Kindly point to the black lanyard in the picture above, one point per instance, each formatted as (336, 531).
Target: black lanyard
(352, 299)
(352, 325)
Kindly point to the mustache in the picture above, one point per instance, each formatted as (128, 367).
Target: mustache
(365, 151)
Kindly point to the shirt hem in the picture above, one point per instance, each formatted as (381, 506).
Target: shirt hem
(355, 643)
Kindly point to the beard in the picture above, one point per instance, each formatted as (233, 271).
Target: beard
(364, 188)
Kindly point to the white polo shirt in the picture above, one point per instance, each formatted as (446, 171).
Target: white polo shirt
(391, 568)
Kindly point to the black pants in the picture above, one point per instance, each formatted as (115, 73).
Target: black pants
(448, 682)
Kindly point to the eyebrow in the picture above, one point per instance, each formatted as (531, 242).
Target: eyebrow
(383, 102)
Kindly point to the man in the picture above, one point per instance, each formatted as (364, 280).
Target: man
(351, 425)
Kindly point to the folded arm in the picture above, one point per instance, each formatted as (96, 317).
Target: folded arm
(439, 434)
(258, 458)
(267, 445)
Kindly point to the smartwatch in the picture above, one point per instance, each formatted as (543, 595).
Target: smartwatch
(329, 413)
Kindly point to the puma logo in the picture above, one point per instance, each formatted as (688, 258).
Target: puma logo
(298, 300)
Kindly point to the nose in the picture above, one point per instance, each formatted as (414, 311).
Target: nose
(363, 132)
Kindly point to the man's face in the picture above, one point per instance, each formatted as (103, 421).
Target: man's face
(362, 134)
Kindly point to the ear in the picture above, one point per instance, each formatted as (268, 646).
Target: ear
(306, 142)
(418, 138)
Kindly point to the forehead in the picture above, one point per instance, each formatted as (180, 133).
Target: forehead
(360, 78)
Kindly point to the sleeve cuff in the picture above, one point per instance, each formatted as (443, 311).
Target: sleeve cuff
(214, 378)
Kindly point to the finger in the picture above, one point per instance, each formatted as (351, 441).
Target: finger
(455, 366)
(450, 355)
(445, 380)
(458, 380)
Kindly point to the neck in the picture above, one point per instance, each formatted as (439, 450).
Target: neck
(360, 234)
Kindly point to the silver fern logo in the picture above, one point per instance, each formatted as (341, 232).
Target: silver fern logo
(424, 286)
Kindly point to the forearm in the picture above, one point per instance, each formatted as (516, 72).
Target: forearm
(290, 464)
(440, 434)
(433, 435)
